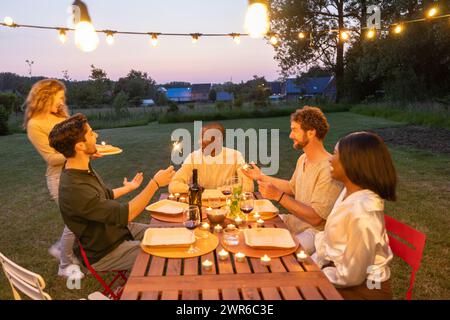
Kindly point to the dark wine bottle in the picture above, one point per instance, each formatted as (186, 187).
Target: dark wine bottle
(195, 191)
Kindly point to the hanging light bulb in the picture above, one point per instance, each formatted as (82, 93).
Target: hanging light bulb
(110, 38)
(257, 18)
(236, 37)
(62, 35)
(274, 39)
(154, 39)
(432, 12)
(398, 29)
(86, 38)
(195, 37)
(8, 21)
(371, 34)
(344, 36)
(301, 35)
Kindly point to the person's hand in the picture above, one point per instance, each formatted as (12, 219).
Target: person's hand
(96, 156)
(135, 183)
(252, 172)
(163, 177)
(269, 191)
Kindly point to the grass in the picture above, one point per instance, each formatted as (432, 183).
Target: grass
(30, 221)
(431, 114)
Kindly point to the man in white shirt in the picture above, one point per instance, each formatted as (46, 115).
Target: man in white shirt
(311, 192)
(214, 162)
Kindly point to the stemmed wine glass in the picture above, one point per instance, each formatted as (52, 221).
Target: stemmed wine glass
(191, 220)
(247, 203)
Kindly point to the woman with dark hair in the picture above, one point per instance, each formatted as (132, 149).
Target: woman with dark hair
(353, 250)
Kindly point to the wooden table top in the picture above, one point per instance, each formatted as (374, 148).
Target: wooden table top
(155, 278)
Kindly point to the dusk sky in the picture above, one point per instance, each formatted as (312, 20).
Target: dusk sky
(175, 59)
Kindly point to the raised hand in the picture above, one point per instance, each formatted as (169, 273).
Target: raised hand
(163, 177)
(135, 183)
(268, 190)
(252, 172)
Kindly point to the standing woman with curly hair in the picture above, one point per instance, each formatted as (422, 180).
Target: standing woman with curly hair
(46, 107)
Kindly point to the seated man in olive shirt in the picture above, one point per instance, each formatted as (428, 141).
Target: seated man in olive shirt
(90, 209)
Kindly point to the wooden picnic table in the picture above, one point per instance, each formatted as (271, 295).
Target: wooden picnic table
(156, 278)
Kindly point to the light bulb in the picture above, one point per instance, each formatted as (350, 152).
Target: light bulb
(237, 39)
(8, 21)
(344, 35)
(110, 38)
(432, 12)
(274, 40)
(301, 35)
(398, 29)
(86, 39)
(370, 34)
(62, 36)
(257, 20)
(154, 40)
(194, 39)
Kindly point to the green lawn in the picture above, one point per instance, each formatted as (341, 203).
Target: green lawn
(30, 221)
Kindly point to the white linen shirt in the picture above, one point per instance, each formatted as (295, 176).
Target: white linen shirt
(355, 240)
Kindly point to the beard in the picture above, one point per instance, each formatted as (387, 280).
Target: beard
(301, 144)
(90, 150)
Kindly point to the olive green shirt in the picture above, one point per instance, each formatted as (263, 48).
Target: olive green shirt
(89, 210)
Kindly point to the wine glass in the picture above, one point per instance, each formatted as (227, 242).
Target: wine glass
(226, 190)
(191, 220)
(246, 203)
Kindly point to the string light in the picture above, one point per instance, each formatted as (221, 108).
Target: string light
(274, 39)
(344, 36)
(86, 38)
(110, 37)
(154, 40)
(301, 35)
(236, 37)
(62, 35)
(371, 34)
(257, 18)
(8, 21)
(432, 12)
(195, 37)
(398, 29)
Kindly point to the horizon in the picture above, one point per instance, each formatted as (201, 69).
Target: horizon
(211, 60)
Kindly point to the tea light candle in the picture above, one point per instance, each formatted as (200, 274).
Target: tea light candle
(177, 196)
(218, 228)
(265, 260)
(171, 197)
(260, 222)
(240, 257)
(302, 256)
(205, 226)
(209, 210)
(238, 220)
(103, 143)
(231, 226)
(207, 265)
(182, 199)
(256, 215)
(223, 255)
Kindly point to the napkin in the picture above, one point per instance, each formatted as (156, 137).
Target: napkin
(276, 238)
(168, 237)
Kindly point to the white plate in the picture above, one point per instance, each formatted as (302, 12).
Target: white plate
(268, 238)
(264, 205)
(159, 237)
(168, 207)
(111, 153)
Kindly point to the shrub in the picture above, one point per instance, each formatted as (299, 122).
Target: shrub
(238, 102)
(120, 104)
(191, 106)
(4, 116)
(173, 107)
(220, 105)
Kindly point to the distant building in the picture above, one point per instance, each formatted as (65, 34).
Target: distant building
(147, 102)
(200, 92)
(179, 94)
(277, 88)
(224, 96)
(310, 87)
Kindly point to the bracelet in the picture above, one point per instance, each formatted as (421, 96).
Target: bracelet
(154, 180)
(281, 197)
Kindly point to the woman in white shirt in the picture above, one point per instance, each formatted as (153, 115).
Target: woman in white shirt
(353, 250)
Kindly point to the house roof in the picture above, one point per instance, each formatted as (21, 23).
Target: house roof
(201, 88)
(173, 93)
(307, 85)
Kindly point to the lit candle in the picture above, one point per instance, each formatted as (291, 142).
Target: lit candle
(182, 199)
(302, 256)
(205, 226)
(103, 143)
(256, 215)
(218, 228)
(265, 260)
(223, 255)
(260, 222)
(240, 257)
(207, 265)
(209, 210)
(231, 226)
(238, 220)
(171, 197)
(177, 196)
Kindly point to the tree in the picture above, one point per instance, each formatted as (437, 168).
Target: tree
(138, 85)
(212, 95)
(120, 104)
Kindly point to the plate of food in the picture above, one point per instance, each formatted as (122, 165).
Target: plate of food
(107, 149)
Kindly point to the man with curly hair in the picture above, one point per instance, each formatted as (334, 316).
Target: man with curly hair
(311, 193)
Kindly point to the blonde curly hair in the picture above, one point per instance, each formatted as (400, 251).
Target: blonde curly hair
(41, 97)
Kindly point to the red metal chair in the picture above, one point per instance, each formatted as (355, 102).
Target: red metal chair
(108, 288)
(412, 253)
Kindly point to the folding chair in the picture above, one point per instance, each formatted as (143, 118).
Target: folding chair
(108, 288)
(29, 283)
(412, 253)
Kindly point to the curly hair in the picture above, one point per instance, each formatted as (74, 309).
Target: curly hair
(66, 134)
(41, 97)
(312, 118)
